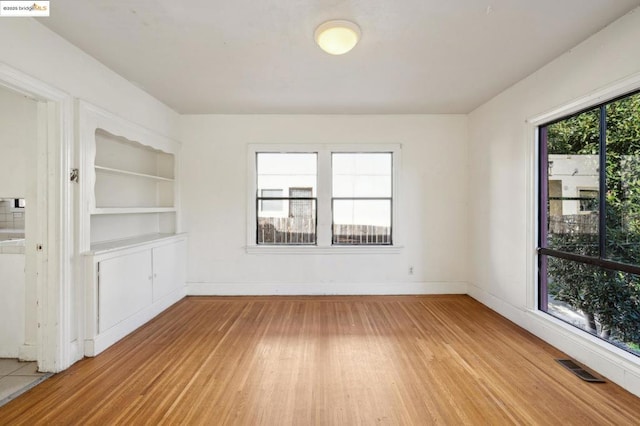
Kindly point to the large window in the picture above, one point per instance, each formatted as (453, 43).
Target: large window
(323, 196)
(590, 221)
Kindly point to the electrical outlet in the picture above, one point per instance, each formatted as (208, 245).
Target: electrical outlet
(410, 270)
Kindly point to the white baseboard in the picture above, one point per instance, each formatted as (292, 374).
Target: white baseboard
(498, 305)
(613, 363)
(76, 353)
(28, 353)
(317, 289)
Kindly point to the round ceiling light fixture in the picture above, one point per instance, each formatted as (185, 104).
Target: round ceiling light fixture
(337, 37)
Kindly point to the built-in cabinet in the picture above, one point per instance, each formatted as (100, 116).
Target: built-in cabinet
(129, 225)
(130, 285)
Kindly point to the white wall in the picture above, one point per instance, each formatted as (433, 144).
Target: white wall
(432, 211)
(33, 49)
(18, 135)
(500, 193)
(41, 53)
(12, 304)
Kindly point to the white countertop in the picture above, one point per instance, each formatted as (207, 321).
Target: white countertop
(15, 246)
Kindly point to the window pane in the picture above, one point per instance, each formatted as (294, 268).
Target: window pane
(292, 175)
(602, 302)
(271, 205)
(623, 180)
(588, 200)
(286, 170)
(300, 208)
(362, 174)
(362, 221)
(297, 225)
(573, 182)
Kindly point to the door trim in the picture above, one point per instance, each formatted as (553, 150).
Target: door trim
(57, 346)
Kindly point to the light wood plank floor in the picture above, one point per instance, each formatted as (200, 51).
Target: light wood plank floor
(326, 360)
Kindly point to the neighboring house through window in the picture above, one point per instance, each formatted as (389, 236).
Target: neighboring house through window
(295, 174)
(588, 200)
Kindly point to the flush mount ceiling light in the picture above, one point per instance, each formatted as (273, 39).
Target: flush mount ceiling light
(337, 37)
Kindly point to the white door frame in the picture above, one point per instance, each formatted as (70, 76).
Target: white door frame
(57, 347)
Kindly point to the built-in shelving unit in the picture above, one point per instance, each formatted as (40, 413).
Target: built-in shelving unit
(129, 225)
(131, 178)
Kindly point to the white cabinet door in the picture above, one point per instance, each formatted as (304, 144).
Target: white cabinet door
(169, 268)
(124, 287)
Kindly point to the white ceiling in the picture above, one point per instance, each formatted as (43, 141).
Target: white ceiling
(259, 56)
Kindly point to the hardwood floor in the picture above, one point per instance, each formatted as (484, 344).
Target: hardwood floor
(324, 360)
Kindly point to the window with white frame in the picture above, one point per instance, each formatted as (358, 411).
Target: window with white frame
(362, 198)
(291, 219)
(322, 196)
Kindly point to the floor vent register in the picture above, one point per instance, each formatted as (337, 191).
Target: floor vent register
(576, 369)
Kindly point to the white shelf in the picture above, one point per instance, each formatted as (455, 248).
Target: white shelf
(132, 189)
(132, 210)
(128, 173)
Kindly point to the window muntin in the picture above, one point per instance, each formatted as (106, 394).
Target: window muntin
(362, 198)
(291, 219)
(590, 221)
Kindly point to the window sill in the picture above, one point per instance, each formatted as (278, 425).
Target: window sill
(581, 337)
(315, 250)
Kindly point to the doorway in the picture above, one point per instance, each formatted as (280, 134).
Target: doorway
(47, 309)
(18, 225)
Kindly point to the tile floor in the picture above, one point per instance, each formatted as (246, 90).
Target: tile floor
(17, 377)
